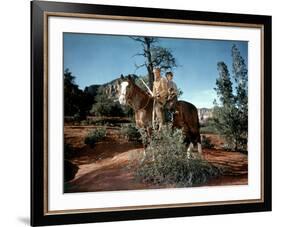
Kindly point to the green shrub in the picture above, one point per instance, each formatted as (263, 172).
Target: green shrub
(76, 117)
(105, 106)
(208, 127)
(206, 142)
(69, 151)
(95, 136)
(116, 121)
(130, 132)
(84, 123)
(167, 161)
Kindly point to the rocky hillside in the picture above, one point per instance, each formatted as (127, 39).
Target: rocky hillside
(204, 114)
(110, 89)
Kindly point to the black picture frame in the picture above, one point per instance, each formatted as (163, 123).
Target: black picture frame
(39, 95)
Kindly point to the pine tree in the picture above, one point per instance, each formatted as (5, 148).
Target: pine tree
(231, 114)
(240, 74)
(76, 102)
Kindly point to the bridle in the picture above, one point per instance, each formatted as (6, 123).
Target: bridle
(129, 96)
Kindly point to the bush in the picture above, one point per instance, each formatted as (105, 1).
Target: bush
(69, 151)
(207, 143)
(84, 123)
(167, 161)
(130, 132)
(208, 127)
(76, 117)
(116, 121)
(95, 136)
(105, 106)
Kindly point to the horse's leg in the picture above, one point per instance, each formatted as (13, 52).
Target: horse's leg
(188, 141)
(199, 144)
(199, 148)
(197, 141)
(190, 147)
(149, 133)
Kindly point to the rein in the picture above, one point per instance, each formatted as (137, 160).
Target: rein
(133, 106)
(148, 99)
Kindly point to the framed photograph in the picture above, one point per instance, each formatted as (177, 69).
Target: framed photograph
(141, 113)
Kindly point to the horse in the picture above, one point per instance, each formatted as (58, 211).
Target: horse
(185, 116)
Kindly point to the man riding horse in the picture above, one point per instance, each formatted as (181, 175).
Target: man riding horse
(164, 89)
(143, 106)
(172, 98)
(160, 93)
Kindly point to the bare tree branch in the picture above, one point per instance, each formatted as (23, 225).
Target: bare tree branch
(154, 56)
(139, 66)
(138, 39)
(138, 54)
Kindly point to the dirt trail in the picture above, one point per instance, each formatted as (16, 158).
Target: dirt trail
(105, 167)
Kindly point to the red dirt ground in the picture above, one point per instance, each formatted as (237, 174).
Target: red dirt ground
(105, 167)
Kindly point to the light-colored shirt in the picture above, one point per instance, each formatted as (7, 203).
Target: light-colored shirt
(172, 84)
(160, 87)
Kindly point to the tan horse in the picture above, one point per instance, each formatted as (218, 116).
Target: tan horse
(142, 104)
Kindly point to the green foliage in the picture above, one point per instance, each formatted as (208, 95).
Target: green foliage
(154, 56)
(95, 136)
(206, 142)
(130, 132)
(69, 151)
(179, 93)
(108, 120)
(127, 111)
(84, 123)
(76, 102)
(231, 114)
(167, 161)
(240, 73)
(76, 117)
(162, 57)
(208, 127)
(105, 106)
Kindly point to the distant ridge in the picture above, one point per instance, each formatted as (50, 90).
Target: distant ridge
(204, 114)
(110, 89)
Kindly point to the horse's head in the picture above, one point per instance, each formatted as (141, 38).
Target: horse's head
(126, 89)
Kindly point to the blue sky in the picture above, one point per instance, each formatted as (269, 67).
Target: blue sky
(97, 59)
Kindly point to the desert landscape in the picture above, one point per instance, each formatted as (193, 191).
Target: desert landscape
(106, 166)
(111, 141)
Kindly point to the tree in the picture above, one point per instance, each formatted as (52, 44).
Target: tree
(76, 102)
(70, 93)
(155, 56)
(231, 114)
(240, 73)
(224, 85)
(105, 106)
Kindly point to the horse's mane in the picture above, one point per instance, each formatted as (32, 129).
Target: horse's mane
(140, 90)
